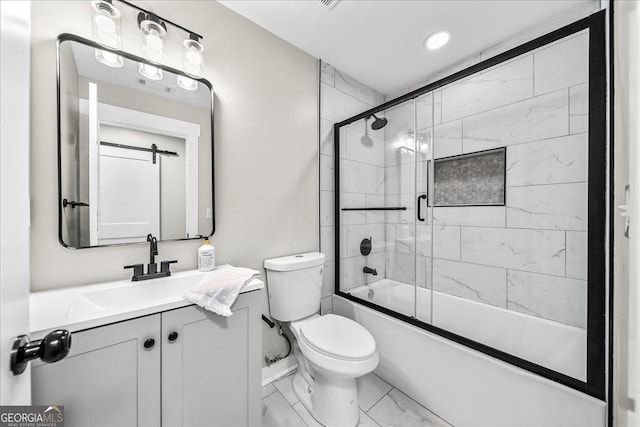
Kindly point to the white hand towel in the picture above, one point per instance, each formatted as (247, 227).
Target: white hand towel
(218, 290)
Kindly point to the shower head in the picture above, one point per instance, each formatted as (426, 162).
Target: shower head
(378, 123)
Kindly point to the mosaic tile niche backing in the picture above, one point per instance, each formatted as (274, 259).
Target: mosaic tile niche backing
(473, 179)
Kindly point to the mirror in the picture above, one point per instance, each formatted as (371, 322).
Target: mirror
(135, 149)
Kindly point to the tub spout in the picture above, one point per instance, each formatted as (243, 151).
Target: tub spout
(368, 270)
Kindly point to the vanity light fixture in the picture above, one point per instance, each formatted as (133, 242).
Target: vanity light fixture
(155, 35)
(149, 71)
(187, 83)
(437, 40)
(109, 59)
(105, 26)
(193, 56)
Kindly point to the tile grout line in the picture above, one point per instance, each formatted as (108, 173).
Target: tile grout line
(507, 268)
(490, 147)
(565, 253)
(546, 184)
(378, 401)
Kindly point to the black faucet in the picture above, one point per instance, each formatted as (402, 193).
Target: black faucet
(152, 267)
(368, 270)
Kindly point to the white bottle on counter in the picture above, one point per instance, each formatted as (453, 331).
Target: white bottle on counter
(206, 256)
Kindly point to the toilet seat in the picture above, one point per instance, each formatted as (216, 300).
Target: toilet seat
(338, 337)
(338, 346)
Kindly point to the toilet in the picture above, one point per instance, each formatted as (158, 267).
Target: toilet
(332, 351)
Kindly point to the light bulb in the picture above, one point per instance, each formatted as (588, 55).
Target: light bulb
(187, 83)
(193, 63)
(155, 33)
(154, 55)
(150, 72)
(154, 41)
(109, 58)
(194, 58)
(105, 24)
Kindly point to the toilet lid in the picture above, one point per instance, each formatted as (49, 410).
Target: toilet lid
(338, 337)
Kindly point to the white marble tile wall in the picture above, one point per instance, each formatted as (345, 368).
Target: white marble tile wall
(552, 207)
(551, 161)
(538, 295)
(579, 108)
(528, 256)
(532, 119)
(472, 281)
(562, 65)
(448, 139)
(498, 86)
(361, 180)
(541, 251)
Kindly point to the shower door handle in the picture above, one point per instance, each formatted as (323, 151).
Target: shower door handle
(420, 197)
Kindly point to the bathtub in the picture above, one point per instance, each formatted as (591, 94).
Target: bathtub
(462, 385)
(553, 345)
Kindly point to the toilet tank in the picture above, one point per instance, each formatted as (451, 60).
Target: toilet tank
(294, 285)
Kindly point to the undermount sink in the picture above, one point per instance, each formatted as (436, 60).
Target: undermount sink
(88, 306)
(132, 294)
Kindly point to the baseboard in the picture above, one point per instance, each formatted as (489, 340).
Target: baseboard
(279, 369)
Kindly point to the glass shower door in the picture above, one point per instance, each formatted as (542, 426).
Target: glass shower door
(422, 139)
(400, 225)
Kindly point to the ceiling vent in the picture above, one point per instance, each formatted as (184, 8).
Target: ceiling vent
(330, 4)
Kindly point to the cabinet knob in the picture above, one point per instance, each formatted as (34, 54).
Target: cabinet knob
(149, 343)
(173, 336)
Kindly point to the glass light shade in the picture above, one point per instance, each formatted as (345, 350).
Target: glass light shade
(193, 57)
(153, 44)
(109, 59)
(186, 83)
(106, 24)
(150, 72)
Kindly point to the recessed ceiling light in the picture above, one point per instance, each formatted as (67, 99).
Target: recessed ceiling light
(437, 40)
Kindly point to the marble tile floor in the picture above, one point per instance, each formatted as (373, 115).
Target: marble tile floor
(381, 405)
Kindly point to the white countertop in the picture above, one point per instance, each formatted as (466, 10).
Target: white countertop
(76, 308)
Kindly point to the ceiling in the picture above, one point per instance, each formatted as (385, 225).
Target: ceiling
(380, 42)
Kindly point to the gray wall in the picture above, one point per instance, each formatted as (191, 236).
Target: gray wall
(266, 114)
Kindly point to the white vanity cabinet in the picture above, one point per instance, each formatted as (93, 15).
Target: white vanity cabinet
(109, 378)
(211, 371)
(202, 370)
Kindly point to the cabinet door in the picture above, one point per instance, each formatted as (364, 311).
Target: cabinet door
(211, 372)
(108, 379)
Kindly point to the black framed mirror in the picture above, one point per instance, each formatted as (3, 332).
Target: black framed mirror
(135, 149)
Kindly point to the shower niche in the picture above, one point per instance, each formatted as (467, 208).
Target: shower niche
(474, 179)
(483, 198)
